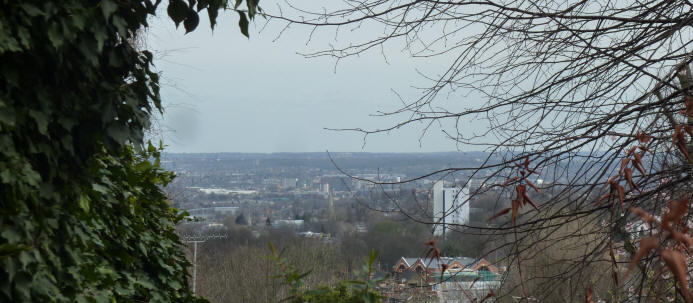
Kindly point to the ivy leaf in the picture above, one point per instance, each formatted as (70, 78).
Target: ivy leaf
(243, 24)
(191, 21)
(99, 188)
(55, 35)
(108, 7)
(31, 10)
(177, 10)
(41, 120)
(213, 12)
(7, 115)
(84, 202)
(252, 5)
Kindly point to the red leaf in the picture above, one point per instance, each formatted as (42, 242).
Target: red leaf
(500, 213)
(646, 245)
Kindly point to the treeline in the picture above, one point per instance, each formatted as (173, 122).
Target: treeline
(238, 268)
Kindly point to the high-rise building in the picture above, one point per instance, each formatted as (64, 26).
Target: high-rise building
(450, 206)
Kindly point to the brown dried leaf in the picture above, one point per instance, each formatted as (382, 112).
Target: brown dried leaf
(682, 148)
(629, 177)
(511, 180)
(443, 267)
(647, 217)
(611, 181)
(516, 207)
(529, 200)
(677, 209)
(527, 162)
(614, 274)
(621, 194)
(688, 130)
(531, 185)
(500, 213)
(489, 295)
(682, 238)
(643, 137)
(520, 190)
(624, 164)
(678, 135)
(474, 281)
(432, 243)
(590, 294)
(605, 196)
(645, 149)
(689, 108)
(646, 246)
(637, 162)
(676, 263)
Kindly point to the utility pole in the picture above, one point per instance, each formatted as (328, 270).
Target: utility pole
(194, 239)
(195, 264)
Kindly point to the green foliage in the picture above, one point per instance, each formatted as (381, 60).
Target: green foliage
(353, 291)
(82, 215)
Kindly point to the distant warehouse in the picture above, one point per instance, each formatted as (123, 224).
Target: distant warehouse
(211, 212)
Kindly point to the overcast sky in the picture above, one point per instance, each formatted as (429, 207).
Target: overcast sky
(226, 93)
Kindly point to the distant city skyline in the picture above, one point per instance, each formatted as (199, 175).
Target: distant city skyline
(225, 93)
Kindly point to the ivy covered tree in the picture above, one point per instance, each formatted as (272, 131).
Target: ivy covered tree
(82, 214)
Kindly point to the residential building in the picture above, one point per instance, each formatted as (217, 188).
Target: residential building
(450, 207)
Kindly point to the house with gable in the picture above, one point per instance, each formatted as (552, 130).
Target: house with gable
(448, 278)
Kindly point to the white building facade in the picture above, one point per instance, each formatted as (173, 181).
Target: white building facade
(450, 206)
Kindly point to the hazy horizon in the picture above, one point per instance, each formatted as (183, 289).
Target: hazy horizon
(223, 92)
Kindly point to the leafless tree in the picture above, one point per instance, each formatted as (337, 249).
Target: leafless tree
(567, 89)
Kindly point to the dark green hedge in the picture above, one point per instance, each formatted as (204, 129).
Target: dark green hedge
(82, 215)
